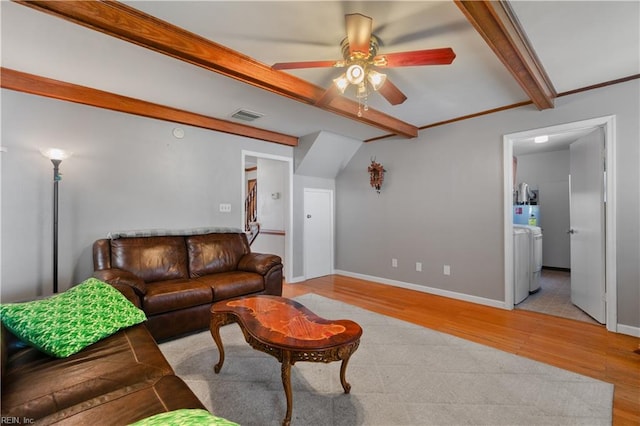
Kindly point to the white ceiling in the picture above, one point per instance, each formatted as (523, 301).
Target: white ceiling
(578, 43)
(556, 142)
(583, 43)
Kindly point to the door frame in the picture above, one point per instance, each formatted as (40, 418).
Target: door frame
(608, 124)
(288, 220)
(331, 220)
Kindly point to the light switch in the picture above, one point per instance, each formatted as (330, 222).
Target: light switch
(225, 208)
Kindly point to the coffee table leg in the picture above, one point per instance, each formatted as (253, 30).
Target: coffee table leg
(343, 370)
(286, 382)
(216, 322)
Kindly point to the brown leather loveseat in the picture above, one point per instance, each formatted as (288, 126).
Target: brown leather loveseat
(175, 277)
(116, 381)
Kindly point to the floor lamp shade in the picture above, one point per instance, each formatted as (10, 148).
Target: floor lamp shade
(56, 156)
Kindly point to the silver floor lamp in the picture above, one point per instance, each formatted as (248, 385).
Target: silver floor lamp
(56, 156)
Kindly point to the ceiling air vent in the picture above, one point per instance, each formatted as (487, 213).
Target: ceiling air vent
(246, 115)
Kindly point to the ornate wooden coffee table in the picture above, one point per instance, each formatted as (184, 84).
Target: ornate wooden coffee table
(288, 331)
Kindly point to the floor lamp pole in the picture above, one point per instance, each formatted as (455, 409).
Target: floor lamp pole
(56, 179)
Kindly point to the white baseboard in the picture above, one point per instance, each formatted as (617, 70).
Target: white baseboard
(296, 280)
(426, 289)
(629, 330)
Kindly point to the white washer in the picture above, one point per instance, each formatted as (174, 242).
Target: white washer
(535, 252)
(521, 263)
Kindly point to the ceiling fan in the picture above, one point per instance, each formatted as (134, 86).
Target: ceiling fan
(361, 60)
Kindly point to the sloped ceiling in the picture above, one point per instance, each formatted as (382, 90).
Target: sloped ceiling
(324, 154)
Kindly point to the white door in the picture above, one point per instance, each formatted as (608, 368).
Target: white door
(318, 232)
(587, 229)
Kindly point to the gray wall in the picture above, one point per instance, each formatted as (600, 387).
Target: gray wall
(548, 172)
(126, 172)
(441, 202)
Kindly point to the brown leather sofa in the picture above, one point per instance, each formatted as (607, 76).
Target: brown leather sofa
(118, 380)
(175, 279)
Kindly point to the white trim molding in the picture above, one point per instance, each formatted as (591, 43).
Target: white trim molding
(629, 330)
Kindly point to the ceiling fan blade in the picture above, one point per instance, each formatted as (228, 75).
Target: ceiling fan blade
(305, 64)
(359, 29)
(391, 93)
(442, 56)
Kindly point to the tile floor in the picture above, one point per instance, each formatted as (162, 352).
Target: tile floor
(554, 297)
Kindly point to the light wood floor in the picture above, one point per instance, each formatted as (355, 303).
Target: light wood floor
(569, 344)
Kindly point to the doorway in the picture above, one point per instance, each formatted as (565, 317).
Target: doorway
(278, 199)
(318, 232)
(568, 133)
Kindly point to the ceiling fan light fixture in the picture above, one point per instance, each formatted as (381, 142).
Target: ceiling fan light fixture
(376, 79)
(341, 83)
(361, 91)
(355, 74)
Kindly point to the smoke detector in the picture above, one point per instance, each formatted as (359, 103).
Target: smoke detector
(246, 115)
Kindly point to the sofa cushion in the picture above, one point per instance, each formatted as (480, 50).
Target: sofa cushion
(36, 385)
(172, 295)
(185, 416)
(66, 323)
(233, 284)
(214, 253)
(151, 258)
(128, 405)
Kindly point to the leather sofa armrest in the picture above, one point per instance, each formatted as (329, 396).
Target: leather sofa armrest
(115, 276)
(129, 293)
(258, 262)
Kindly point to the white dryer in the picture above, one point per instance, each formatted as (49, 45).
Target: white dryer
(535, 252)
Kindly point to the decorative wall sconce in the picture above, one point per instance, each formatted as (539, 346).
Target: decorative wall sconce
(376, 175)
(56, 156)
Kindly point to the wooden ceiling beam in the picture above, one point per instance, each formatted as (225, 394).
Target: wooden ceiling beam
(129, 24)
(36, 85)
(498, 25)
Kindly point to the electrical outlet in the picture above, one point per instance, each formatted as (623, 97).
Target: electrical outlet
(394, 263)
(419, 266)
(446, 270)
(225, 208)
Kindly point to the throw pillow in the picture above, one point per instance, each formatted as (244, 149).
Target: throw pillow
(66, 323)
(183, 417)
